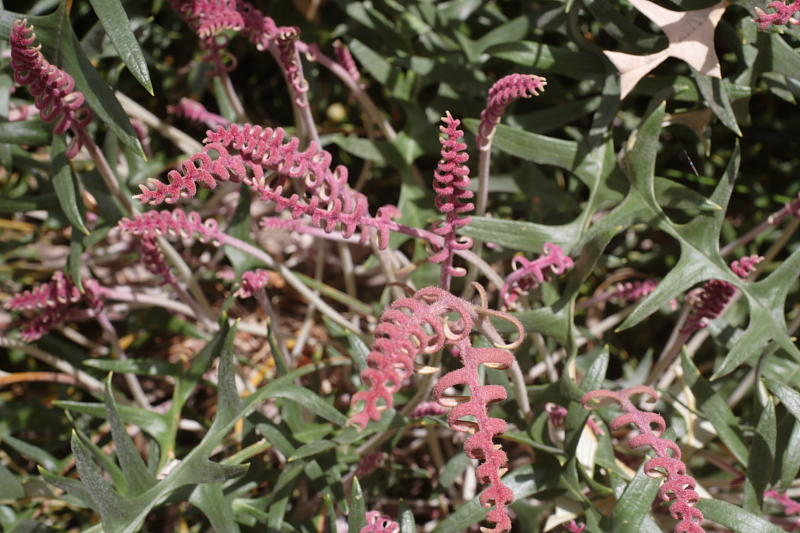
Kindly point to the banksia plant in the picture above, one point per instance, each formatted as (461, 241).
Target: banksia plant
(679, 487)
(53, 89)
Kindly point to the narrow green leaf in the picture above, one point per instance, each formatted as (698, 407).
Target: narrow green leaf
(635, 503)
(118, 28)
(356, 520)
(240, 226)
(137, 476)
(311, 449)
(377, 67)
(407, 523)
(34, 132)
(790, 460)
(309, 400)
(762, 459)
(10, 487)
(229, 404)
(153, 423)
(715, 93)
(545, 57)
(74, 259)
(524, 236)
(735, 518)
(65, 185)
(210, 499)
(787, 395)
(454, 468)
(716, 409)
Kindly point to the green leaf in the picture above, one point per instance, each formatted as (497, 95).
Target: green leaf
(240, 227)
(310, 400)
(544, 57)
(10, 487)
(34, 132)
(118, 28)
(762, 459)
(787, 395)
(65, 185)
(715, 409)
(373, 62)
(356, 519)
(137, 477)
(142, 367)
(735, 518)
(635, 503)
(311, 449)
(210, 499)
(519, 235)
(454, 468)
(715, 93)
(407, 523)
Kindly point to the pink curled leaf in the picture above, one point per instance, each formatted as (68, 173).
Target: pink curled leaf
(53, 89)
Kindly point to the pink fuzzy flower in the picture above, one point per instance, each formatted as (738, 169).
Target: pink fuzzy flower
(428, 409)
(54, 300)
(633, 291)
(501, 94)
(197, 112)
(424, 324)
(154, 260)
(528, 274)
(53, 89)
(252, 282)
(575, 527)
(782, 15)
(678, 487)
(710, 301)
(790, 506)
(452, 197)
(264, 160)
(345, 59)
(175, 223)
(380, 523)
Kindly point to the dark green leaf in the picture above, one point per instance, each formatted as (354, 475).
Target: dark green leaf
(118, 28)
(34, 132)
(65, 185)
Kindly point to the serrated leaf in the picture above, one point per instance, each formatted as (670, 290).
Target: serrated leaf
(524, 236)
(137, 477)
(65, 185)
(735, 518)
(118, 28)
(373, 62)
(210, 499)
(310, 400)
(715, 93)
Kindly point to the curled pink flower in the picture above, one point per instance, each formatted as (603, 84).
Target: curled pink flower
(252, 282)
(782, 15)
(175, 223)
(265, 160)
(154, 260)
(53, 89)
(574, 527)
(790, 506)
(528, 274)
(425, 323)
(679, 488)
(501, 94)
(197, 112)
(345, 59)
(453, 197)
(632, 291)
(380, 523)
(710, 301)
(369, 463)
(289, 58)
(54, 300)
(428, 409)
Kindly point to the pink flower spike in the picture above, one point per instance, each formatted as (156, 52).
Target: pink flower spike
(530, 274)
(252, 282)
(52, 88)
(176, 223)
(197, 112)
(501, 94)
(379, 523)
(679, 486)
(154, 260)
(746, 265)
(345, 59)
(451, 185)
(575, 527)
(782, 15)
